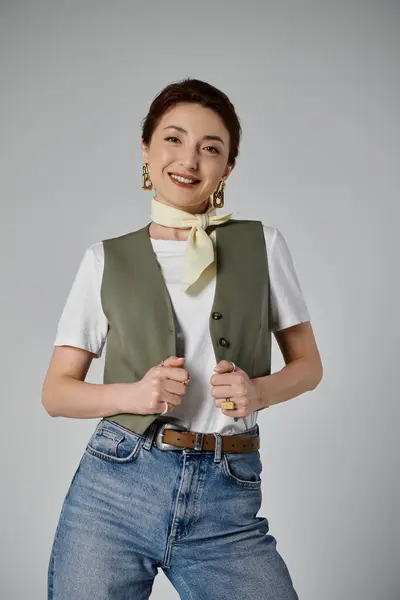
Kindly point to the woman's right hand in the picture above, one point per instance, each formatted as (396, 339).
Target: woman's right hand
(161, 383)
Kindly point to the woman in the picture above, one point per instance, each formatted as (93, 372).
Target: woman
(171, 476)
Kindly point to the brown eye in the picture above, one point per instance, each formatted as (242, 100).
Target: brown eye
(171, 138)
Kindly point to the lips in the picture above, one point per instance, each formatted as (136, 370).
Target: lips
(183, 184)
(186, 176)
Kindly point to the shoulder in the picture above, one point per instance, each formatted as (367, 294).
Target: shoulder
(271, 234)
(96, 251)
(119, 246)
(124, 237)
(91, 264)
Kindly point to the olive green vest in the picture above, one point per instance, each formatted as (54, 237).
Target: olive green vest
(138, 307)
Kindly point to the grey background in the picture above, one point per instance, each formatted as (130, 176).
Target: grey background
(317, 89)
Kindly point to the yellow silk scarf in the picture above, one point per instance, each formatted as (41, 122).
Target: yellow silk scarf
(199, 253)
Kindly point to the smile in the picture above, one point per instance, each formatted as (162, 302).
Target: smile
(183, 180)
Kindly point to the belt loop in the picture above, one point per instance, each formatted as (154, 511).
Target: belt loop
(218, 447)
(150, 435)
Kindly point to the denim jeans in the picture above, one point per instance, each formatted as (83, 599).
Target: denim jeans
(132, 508)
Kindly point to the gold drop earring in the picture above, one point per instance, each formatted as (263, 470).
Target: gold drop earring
(147, 184)
(218, 196)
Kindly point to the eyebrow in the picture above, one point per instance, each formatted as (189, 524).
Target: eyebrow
(206, 137)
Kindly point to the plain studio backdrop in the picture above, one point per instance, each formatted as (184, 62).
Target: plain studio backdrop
(316, 86)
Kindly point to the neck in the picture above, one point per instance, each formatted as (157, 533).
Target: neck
(161, 232)
(158, 231)
(194, 209)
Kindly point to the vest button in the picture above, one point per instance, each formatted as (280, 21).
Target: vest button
(223, 342)
(217, 315)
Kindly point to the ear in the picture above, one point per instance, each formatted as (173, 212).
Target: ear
(229, 170)
(145, 152)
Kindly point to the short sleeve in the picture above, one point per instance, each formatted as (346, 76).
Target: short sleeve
(288, 305)
(83, 323)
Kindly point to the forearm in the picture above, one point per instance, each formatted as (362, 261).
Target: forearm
(69, 397)
(292, 380)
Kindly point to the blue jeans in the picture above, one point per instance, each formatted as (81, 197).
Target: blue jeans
(132, 507)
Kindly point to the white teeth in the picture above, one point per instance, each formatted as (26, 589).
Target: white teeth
(182, 179)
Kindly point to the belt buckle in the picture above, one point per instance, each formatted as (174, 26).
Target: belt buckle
(161, 445)
(198, 445)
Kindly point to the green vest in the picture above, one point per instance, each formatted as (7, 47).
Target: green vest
(140, 314)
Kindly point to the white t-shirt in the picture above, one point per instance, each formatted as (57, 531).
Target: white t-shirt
(84, 325)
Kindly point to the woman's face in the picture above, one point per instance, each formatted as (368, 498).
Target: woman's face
(181, 144)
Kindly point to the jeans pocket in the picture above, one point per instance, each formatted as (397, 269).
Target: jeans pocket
(113, 443)
(243, 468)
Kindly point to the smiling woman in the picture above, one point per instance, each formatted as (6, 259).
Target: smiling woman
(187, 305)
(187, 159)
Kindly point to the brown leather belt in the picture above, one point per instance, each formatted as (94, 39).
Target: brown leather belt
(171, 437)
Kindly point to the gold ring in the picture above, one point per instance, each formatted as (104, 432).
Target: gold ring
(228, 404)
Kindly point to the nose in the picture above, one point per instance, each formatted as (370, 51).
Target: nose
(189, 159)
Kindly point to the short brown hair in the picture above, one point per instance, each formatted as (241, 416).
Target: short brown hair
(200, 92)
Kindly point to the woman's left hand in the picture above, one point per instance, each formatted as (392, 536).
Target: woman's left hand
(236, 386)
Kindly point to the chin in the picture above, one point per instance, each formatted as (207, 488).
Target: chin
(180, 200)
